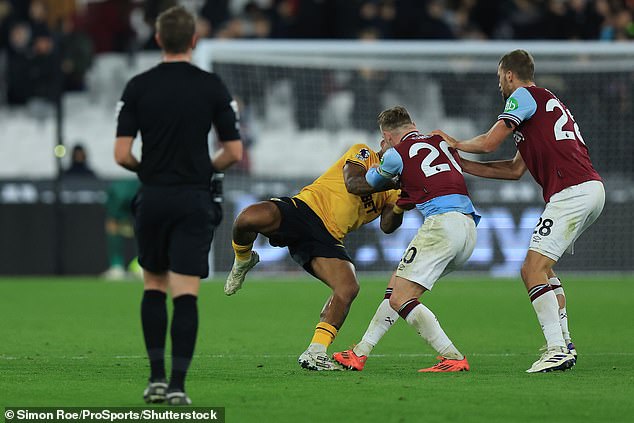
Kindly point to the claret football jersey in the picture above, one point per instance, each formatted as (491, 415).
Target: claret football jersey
(430, 174)
(549, 140)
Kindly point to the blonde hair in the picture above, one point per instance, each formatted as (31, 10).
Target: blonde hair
(394, 118)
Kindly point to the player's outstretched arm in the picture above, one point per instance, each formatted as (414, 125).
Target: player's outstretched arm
(498, 169)
(391, 218)
(354, 178)
(485, 143)
(385, 176)
(123, 153)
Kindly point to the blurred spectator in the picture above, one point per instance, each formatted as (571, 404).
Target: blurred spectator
(108, 25)
(392, 19)
(555, 23)
(253, 22)
(38, 15)
(525, 18)
(435, 25)
(282, 15)
(18, 66)
(76, 54)
(44, 69)
(477, 19)
(378, 15)
(59, 10)
(623, 27)
(216, 14)
(203, 28)
(79, 164)
(5, 17)
(583, 21)
(41, 39)
(151, 10)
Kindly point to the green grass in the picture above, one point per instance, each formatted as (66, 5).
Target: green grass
(77, 342)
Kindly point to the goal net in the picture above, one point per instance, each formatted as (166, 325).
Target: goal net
(305, 103)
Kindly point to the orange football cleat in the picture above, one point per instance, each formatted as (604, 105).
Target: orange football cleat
(448, 365)
(350, 360)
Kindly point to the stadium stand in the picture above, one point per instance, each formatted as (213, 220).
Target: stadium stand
(325, 98)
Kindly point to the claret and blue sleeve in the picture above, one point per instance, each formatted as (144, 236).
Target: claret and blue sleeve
(391, 166)
(519, 107)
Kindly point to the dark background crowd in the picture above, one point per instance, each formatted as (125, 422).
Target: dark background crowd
(47, 47)
(51, 43)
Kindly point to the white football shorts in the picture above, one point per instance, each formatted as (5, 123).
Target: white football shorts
(443, 243)
(566, 216)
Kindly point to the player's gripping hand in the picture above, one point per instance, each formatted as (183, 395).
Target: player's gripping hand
(450, 140)
(396, 181)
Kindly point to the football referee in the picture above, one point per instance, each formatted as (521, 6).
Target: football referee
(173, 106)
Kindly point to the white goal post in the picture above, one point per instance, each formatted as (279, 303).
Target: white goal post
(301, 92)
(309, 101)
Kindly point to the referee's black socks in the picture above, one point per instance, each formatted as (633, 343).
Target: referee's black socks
(154, 321)
(183, 331)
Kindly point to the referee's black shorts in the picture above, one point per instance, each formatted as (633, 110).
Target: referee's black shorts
(305, 235)
(174, 227)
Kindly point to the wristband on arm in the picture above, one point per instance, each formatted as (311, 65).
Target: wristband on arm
(376, 178)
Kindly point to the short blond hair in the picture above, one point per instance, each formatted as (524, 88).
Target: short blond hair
(394, 118)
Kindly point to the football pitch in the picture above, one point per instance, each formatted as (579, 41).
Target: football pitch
(78, 342)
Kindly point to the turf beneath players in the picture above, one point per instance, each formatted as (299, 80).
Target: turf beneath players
(77, 342)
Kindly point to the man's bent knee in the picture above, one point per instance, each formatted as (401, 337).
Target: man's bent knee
(536, 267)
(404, 290)
(247, 220)
(261, 217)
(398, 298)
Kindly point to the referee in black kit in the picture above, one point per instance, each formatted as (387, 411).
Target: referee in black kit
(173, 105)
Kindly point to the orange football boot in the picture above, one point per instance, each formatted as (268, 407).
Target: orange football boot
(350, 360)
(448, 365)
